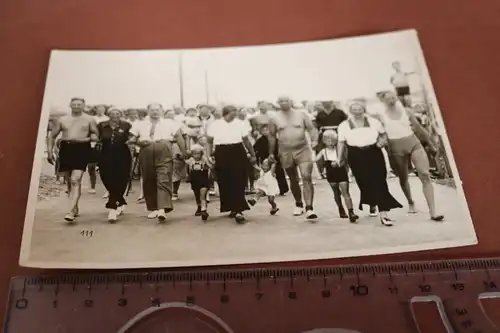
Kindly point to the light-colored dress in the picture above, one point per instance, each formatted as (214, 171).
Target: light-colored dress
(267, 183)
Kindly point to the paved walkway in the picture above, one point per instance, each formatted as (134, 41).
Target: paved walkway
(186, 240)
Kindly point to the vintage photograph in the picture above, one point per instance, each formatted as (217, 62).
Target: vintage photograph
(312, 150)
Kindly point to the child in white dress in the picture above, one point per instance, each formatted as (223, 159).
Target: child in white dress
(266, 185)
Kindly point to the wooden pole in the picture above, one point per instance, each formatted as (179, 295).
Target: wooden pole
(207, 93)
(181, 80)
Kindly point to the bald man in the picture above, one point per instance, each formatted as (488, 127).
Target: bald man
(155, 136)
(288, 128)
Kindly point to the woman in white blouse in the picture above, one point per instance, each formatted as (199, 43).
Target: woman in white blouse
(363, 137)
(227, 139)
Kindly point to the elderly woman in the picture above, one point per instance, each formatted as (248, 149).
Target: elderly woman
(227, 147)
(114, 160)
(363, 137)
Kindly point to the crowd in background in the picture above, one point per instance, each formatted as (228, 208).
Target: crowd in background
(196, 120)
(194, 124)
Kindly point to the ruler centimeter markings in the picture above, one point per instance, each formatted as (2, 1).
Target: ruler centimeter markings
(464, 296)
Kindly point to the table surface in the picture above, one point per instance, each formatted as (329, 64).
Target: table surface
(460, 41)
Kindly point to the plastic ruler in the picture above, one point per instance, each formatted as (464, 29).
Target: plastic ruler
(428, 297)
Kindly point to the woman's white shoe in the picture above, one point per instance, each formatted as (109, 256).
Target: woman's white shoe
(112, 215)
(153, 214)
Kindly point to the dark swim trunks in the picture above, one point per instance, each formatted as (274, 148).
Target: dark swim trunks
(403, 91)
(74, 156)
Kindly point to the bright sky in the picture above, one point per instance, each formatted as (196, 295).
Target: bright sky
(338, 69)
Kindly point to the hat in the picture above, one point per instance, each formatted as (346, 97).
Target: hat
(114, 108)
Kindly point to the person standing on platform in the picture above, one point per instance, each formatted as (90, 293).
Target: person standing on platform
(155, 136)
(401, 83)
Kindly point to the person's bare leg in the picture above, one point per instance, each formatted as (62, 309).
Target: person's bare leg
(307, 185)
(67, 182)
(344, 190)
(141, 194)
(306, 169)
(338, 199)
(255, 197)
(294, 186)
(401, 164)
(92, 177)
(272, 202)
(204, 203)
(421, 163)
(76, 191)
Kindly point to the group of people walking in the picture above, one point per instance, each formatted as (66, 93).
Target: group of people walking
(271, 152)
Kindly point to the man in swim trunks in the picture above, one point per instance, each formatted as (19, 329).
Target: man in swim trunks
(78, 131)
(401, 83)
(288, 128)
(405, 135)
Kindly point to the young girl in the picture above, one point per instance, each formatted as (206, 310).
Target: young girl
(266, 185)
(199, 169)
(336, 174)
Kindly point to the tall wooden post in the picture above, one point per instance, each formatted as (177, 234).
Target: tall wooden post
(181, 80)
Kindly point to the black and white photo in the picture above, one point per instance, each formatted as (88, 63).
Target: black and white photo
(313, 150)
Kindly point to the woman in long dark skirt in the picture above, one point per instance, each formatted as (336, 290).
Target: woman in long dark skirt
(115, 161)
(227, 139)
(364, 137)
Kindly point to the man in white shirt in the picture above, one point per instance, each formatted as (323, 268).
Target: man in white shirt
(155, 137)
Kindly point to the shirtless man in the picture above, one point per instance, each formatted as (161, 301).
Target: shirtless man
(261, 117)
(78, 131)
(400, 82)
(288, 128)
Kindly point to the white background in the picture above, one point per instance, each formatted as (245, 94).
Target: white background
(336, 70)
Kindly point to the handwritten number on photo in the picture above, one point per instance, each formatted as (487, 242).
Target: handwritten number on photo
(87, 233)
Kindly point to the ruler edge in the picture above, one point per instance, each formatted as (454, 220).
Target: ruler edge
(239, 274)
(419, 266)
